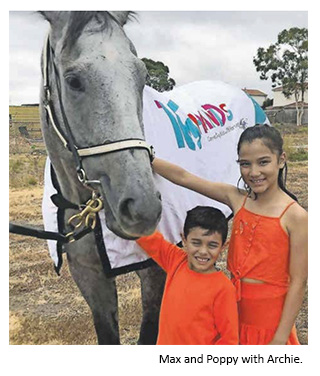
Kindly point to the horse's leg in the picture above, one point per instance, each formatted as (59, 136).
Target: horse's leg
(98, 290)
(152, 284)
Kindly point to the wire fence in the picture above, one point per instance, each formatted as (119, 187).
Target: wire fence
(25, 130)
(27, 151)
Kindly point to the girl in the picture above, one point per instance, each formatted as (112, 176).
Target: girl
(267, 254)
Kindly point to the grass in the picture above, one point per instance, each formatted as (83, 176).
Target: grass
(295, 141)
(298, 155)
(26, 164)
(26, 170)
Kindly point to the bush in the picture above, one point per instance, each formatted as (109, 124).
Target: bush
(298, 155)
(32, 181)
(15, 166)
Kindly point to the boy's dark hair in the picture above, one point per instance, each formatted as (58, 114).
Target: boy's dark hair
(208, 218)
(272, 139)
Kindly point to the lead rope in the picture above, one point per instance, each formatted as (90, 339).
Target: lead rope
(81, 224)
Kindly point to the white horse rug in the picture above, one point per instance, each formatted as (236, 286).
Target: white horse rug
(196, 126)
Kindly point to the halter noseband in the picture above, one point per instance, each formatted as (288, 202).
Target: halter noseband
(68, 139)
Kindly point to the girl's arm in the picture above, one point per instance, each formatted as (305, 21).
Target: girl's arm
(298, 232)
(222, 192)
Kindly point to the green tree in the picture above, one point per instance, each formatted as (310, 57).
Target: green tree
(268, 102)
(286, 62)
(158, 77)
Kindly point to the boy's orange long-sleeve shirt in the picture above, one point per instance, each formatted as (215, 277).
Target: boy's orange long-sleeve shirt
(196, 309)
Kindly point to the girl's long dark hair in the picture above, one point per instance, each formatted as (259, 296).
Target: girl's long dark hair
(272, 139)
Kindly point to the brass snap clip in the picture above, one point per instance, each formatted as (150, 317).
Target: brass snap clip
(87, 217)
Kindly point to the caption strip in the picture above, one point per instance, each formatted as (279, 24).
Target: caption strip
(230, 360)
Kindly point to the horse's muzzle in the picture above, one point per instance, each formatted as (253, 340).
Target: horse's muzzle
(133, 214)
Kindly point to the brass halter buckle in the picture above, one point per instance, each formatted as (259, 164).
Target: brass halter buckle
(87, 217)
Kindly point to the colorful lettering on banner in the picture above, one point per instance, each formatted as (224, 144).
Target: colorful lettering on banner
(182, 131)
(210, 118)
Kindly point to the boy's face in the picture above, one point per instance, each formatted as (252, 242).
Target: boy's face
(202, 249)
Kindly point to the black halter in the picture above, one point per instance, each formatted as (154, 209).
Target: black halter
(68, 139)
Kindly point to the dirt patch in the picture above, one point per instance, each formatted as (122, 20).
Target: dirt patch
(47, 309)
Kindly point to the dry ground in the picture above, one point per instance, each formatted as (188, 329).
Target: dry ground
(46, 309)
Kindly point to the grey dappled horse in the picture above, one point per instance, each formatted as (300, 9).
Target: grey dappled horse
(89, 65)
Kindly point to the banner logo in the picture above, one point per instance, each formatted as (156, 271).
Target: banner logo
(189, 131)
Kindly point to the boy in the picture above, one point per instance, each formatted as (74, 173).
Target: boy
(199, 302)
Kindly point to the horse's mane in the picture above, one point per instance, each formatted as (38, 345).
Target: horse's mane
(79, 19)
(77, 22)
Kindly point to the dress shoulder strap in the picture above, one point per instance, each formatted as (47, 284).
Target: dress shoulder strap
(244, 201)
(287, 207)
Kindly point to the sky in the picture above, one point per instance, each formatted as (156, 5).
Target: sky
(195, 45)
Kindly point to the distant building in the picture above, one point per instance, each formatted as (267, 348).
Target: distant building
(280, 101)
(284, 110)
(257, 95)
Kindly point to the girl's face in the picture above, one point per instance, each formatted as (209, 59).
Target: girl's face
(259, 166)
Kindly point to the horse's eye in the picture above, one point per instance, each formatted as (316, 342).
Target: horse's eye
(74, 82)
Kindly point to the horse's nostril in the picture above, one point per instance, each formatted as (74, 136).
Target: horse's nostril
(158, 194)
(126, 209)
(138, 212)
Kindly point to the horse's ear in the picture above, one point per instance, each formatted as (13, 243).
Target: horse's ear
(50, 16)
(121, 16)
(57, 21)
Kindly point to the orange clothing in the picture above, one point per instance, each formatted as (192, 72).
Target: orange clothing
(259, 249)
(196, 308)
(259, 314)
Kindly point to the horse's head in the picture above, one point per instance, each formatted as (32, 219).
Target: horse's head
(96, 85)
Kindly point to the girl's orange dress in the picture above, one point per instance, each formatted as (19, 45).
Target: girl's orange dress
(259, 249)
